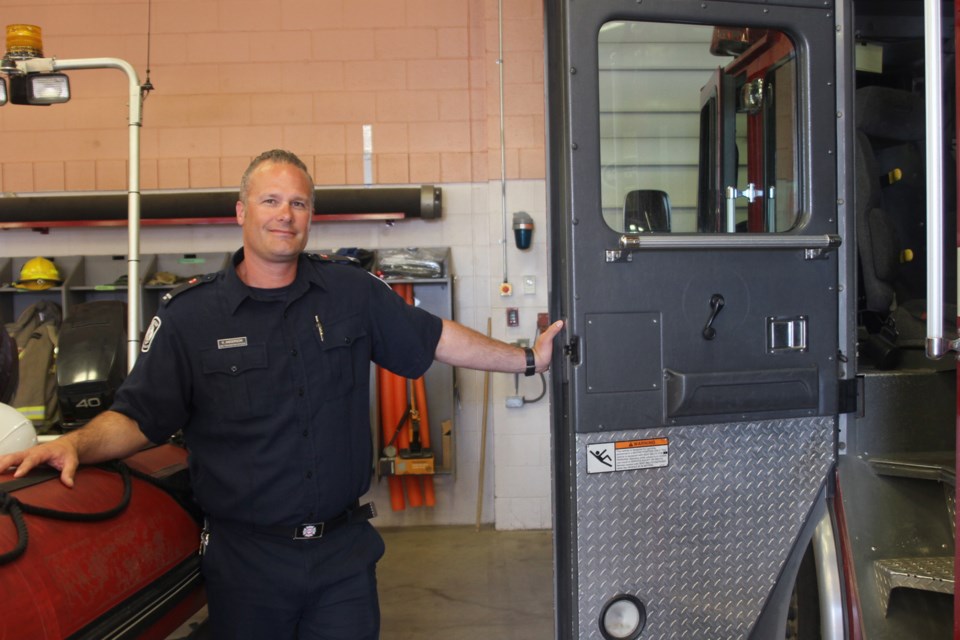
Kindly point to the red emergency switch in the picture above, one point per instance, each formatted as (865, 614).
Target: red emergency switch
(543, 321)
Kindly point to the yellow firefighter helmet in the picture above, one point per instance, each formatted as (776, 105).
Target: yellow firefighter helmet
(37, 274)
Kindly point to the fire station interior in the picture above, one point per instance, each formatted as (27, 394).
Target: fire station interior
(479, 564)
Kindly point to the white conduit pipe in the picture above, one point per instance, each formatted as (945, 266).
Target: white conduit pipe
(47, 65)
(503, 151)
(936, 345)
(133, 191)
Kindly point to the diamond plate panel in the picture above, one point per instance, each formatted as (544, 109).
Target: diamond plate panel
(702, 540)
(925, 574)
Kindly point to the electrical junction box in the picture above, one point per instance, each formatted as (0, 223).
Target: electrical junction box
(529, 285)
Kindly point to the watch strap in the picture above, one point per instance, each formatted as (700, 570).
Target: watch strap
(531, 361)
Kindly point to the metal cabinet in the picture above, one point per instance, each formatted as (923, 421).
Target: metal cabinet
(434, 294)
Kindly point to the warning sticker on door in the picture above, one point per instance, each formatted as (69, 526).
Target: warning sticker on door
(627, 455)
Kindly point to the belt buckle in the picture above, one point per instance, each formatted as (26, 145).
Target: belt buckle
(308, 531)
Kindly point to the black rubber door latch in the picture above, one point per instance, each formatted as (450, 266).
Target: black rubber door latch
(716, 304)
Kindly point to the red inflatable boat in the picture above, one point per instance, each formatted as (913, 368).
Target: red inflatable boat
(132, 575)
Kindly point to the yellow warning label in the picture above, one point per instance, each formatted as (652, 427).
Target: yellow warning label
(633, 444)
(628, 455)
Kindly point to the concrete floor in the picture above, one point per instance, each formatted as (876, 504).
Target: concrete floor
(458, 583)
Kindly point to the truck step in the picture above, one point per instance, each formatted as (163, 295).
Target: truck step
(923, 465)
(925, 574)
(939, 466)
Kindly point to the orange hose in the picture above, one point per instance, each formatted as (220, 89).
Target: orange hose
(419, 489)
(388, 421)
(411, 483)
(420, 394)
(420, 391)
(397, 384)
(397, 502)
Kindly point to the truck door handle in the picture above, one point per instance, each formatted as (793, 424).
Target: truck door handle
(716, 304)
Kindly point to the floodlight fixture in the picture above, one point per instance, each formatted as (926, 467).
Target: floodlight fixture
(48, 88)
(40, 89)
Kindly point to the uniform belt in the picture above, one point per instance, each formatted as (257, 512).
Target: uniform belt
(316, 530)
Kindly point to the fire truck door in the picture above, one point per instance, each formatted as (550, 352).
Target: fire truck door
(695, 404)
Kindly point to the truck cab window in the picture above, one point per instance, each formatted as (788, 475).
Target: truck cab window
(698, 128)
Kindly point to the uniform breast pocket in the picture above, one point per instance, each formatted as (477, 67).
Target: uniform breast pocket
(340, 348)
(238, 380)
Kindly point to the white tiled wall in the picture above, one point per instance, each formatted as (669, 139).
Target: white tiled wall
(517, 484)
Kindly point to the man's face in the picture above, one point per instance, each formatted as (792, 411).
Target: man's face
(276, 214)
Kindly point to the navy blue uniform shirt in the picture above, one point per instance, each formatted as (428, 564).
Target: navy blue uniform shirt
(272, 386)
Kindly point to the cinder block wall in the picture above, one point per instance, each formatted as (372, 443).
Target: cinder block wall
(235, 77)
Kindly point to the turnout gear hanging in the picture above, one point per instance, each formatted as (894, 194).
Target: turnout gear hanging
(37, 333)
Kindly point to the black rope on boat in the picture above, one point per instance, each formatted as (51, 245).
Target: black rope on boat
(14, 508)
(11, 506)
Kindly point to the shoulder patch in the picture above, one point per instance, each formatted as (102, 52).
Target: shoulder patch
(189, 284)
(334, 258)
(151, 334)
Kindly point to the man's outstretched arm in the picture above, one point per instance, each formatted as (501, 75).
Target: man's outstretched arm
(461, 346)
(109, 436)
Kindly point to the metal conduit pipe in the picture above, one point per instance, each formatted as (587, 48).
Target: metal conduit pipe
(937, 347)
(503, 152)
(47, 65)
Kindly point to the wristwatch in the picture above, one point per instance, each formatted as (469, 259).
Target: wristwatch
(531, 361)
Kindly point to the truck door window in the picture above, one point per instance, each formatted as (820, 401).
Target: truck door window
(698, 128)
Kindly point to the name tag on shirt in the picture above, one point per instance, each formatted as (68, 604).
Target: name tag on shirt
(231, 343)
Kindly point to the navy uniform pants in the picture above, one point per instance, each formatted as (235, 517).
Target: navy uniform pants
(265, 586)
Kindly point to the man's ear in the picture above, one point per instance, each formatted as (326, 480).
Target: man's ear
(240, 213)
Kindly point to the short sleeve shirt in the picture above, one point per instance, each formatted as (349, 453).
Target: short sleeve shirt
(272, 387)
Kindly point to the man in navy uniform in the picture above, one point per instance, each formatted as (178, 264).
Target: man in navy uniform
(264, 367)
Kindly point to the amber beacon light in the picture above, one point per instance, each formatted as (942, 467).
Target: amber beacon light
(24, 41)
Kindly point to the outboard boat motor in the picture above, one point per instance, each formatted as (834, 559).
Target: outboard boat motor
(91, 360)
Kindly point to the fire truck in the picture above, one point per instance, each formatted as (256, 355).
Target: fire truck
(753, 227)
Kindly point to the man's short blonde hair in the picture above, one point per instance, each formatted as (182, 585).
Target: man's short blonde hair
(281, 156)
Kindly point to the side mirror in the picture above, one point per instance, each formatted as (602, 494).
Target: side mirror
(646, 210)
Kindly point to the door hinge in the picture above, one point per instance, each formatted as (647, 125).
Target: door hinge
(572, 350)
